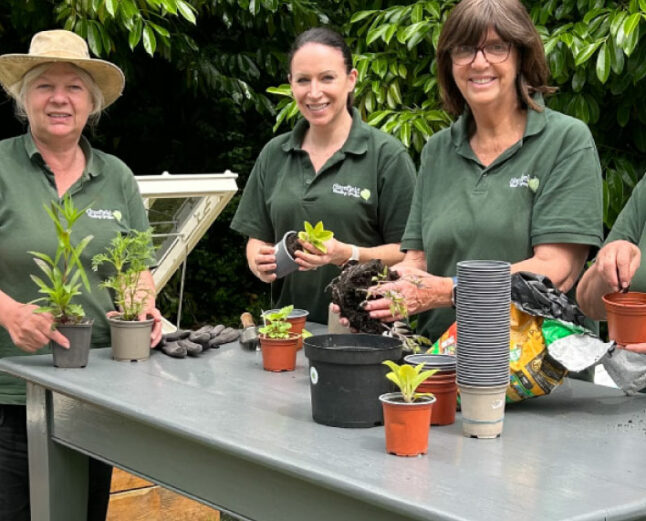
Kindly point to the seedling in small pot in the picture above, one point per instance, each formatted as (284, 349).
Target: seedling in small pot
(276, 325)
(277, 342)
(316, 235)
(408, 378)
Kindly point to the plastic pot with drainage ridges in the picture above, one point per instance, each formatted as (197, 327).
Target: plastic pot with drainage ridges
(347, 377)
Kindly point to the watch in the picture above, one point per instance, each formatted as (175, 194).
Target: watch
(354, 256)
(454, 292)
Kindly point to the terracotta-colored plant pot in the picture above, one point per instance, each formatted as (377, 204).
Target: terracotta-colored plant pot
(626, 313)
(278, 354)
(406, 424)
(297, 319)
(445, 389)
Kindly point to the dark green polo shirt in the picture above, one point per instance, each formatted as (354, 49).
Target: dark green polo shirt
(546, 188)
(629, 226)
(110, 190)
(362, 194)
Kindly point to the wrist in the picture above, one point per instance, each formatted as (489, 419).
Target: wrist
(351, 254)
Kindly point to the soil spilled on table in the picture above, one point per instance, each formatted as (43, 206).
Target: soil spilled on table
(349, 291)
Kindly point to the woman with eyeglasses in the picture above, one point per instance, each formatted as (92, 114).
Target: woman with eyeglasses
(509, 180)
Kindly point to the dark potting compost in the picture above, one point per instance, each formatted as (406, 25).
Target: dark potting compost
(350, 291)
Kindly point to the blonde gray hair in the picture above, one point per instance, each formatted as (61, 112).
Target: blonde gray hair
(33, 74)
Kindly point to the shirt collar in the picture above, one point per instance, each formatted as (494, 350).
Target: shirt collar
(91, 168)
(536, 122)
(357, 142)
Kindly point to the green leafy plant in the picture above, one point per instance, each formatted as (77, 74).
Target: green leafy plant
(64, 273)
(316, 235)
(130, 256)
(276, 324)
(408, 378)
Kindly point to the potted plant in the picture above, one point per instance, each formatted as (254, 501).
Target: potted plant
(64, 276)
(129, 256)
(278, 342)
(285, 249)
(407, 413)
(297, 318)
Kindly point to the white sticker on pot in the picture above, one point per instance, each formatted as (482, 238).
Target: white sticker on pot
(314, 375)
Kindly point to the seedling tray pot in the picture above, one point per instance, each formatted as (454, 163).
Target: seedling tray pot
(626, 314)
(285, 263)
(79, 336)
(130, 339)
(347, 377)
(407, 424)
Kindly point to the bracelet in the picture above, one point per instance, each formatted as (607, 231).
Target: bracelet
(454, 292)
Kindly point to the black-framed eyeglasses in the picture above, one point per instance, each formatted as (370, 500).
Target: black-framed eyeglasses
(495, 52)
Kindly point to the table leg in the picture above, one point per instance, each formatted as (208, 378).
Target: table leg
(58, 475)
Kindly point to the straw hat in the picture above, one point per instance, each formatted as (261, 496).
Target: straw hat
(61, 46)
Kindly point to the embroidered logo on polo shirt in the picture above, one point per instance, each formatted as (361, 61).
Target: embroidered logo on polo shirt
(111, 215)
(351, 191)
(525, 181)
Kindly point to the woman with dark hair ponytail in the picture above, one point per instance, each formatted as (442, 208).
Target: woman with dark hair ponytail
(331, 167)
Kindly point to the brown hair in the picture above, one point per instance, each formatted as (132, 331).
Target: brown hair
(468, 24)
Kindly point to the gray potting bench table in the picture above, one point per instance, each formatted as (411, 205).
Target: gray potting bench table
(221, 430)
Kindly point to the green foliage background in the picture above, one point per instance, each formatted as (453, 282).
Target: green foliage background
(205, 90)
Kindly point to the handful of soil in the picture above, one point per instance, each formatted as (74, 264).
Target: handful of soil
(350, 290)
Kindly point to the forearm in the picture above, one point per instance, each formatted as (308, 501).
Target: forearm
(589, 292)
(388, 253)
(7, 306)
(561, 263)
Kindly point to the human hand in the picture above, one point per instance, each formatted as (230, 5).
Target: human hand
(343, 321)
(263, 263)
(310, 258)
(617, 263)
(30, 331)
(635, 348)
(156, 332)
(414, 292)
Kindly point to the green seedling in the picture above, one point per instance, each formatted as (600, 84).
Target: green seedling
(129, 255)
(64, 273)
(408, 378)
(276, 324)
(316, 235)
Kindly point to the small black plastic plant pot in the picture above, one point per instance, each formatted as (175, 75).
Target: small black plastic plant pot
(285, 263)
(347, 377)
(79, 336)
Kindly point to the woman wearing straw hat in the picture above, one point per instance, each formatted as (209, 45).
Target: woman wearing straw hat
(57, 88)
(510, 180)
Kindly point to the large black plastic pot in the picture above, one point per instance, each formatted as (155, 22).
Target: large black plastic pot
(347, 377)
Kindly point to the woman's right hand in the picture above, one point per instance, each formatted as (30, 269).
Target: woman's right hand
(261, 257)
(31, 331)
(617, 263)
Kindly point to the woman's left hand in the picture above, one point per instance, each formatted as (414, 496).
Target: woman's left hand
(311, 258)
